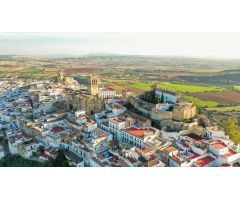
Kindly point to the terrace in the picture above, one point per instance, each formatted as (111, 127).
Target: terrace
(218, 144)
(140, 132)
(204, 161)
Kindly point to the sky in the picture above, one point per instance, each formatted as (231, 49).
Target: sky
(208, 45)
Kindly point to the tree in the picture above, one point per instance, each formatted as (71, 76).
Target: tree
(61, 160)
(232, 128)
(41, 149)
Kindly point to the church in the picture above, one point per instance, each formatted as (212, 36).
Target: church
(82, 100)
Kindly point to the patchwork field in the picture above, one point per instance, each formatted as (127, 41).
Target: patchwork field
(36, 72)
(225, 98)
(120, 86)
(175, 87)
(186, 88)
(11, 69)
(201, 103)
(51, 70)
(80, 70)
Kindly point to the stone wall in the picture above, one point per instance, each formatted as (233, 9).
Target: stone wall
(184, 111)
(181, 111)
(161, 115)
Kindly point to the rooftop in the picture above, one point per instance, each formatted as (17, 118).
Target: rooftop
(139, 132)
(57, 129)
(118, 107)
(230, 153)
(205, 161)
(117, 120)
(170, 149)
(218, 144)
(106, 89)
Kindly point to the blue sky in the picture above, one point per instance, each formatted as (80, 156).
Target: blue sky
(218, 45)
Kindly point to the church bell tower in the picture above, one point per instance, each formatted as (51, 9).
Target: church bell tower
(93, 84)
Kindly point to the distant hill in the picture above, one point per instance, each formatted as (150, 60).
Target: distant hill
(144, 61)
(106, 60)
(222, 79)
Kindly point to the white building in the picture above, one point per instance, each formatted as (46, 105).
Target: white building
(51, 124)
(90, 126)
(13, 132)
(106, 93)
(138, 136)
(224, 153)
(217, 148)
(214, 133)
(26, 149)
(53, 137)
(15, 141)
(115, 125)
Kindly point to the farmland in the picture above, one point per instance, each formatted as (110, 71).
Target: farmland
(202, 103)
(138, 87)
(141, 85)
(176, 87)
(79, 70)
(224, 98)
(36, 72)
(188, 88)
(207, 83)
(120, 86)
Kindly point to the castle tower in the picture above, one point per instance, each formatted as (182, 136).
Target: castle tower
(93, 84)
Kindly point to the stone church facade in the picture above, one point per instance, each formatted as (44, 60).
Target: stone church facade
(89, 102)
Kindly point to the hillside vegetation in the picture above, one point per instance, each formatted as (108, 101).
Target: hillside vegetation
(232, 128)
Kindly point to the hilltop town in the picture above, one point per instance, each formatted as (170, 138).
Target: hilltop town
(78, 121)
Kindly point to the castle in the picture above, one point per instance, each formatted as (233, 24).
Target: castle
(160, 105)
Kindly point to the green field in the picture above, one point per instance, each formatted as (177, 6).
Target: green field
(224, 109)
(201, 103)
(32, 70)
(177, 87)
(181, 88)
(35, 73)
(237, 87)
(46, 75)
